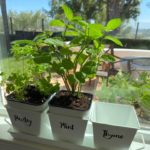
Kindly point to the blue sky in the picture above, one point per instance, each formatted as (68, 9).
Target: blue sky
(144, 18)
(28, 5)
(144, 11)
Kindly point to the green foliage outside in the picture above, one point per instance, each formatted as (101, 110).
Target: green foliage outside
(10, 64)
(26, 21)
(97, 10)
(122, 88)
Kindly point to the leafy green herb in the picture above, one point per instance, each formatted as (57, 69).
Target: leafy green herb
(77, 61)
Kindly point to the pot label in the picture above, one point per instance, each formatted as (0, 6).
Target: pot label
(109, 136)
(25, 120)
(66, 126)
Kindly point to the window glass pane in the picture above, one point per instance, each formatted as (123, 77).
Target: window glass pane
(1, 106)
(3, 52)
(132, 31)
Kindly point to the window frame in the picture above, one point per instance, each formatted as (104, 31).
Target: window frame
(3, 111)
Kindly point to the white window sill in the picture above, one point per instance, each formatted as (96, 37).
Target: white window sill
(28, 142)
(7, 142)
(3, 111)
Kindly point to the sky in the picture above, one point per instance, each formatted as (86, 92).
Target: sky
(144, 17)
(144, 11)
(33, 5)
(26, 5)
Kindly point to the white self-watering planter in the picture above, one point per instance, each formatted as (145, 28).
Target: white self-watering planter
(69, 124)
(68, 128)
(114, 126)
(25, 117)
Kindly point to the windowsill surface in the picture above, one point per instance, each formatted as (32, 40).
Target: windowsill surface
(29, 142)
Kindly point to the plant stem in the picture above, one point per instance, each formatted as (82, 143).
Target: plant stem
(66, 83)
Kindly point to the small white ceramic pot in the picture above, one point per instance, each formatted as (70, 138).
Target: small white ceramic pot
(27, 118)
(67, 128)
(114, 126)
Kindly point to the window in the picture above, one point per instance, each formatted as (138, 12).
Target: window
(2, 55)
(131, 30)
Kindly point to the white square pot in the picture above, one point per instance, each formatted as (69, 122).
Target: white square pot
(27, 121)
(27, 118)
(67, 128)
(114, 126)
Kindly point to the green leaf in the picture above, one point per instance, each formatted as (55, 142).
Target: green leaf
(43, 83)
(43, 36)
(115, 40)
(77, 40)
(92, 51)
(82, 58)
(145, 100)
(66, 51)
(76, 18)
(113, 24)
(46, 87)
(108, 58)
(57, 67)
(55, 42)
(43, 58)
(55, 88)
(71, 33)
(23, 42)
(72, 79)
(39, 69)
(67, 64)
(82, 23)
(89, 68)
(70, 27)
(96, 43)
(80, 76)
(21, 51)
(57, 23)
(95, 31)
(68, 12)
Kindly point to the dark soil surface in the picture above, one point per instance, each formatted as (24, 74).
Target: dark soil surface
(66, 99)
(31, 96)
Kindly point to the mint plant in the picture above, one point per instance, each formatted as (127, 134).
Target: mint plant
(78, 61)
